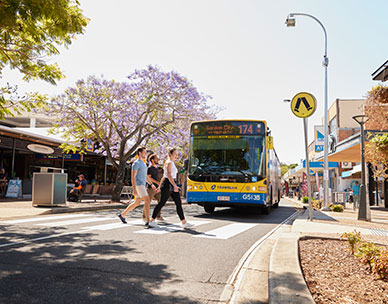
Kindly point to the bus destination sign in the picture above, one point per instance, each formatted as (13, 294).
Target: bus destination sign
(228, 128)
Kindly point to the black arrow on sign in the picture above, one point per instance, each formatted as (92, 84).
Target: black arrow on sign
(305, 102)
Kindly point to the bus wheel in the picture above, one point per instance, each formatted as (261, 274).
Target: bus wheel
(209, 208)
(265, 209)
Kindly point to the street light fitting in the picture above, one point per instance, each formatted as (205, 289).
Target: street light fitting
(286, 100)
(361, 119)
(290, 21)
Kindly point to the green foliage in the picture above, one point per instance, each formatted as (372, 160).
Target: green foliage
(375, 256)
(305, 200)
(381, 265)
(354, 238)
(284, 168)
(337, 208)
(11, 104)
(316, 204)
(381, 141)
(368, 253)
(31, 31)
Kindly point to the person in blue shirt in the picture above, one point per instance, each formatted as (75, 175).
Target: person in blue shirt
(355, 185)
(139, 179)
(75, 193)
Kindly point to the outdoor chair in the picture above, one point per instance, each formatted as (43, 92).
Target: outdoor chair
(90, 191)
(127, 190)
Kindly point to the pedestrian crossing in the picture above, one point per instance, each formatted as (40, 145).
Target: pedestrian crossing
(90, 222)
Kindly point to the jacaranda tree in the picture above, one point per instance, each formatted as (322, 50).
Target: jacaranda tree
(153, 108)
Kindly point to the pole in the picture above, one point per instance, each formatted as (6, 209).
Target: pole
(326, 145)
(326, 127)
(307, 168)
(363, 210)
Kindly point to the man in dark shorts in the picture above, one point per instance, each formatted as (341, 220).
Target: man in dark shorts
(153, 174)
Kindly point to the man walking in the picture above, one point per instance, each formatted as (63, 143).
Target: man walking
(153, 174)
(139, 180)
(356, 193)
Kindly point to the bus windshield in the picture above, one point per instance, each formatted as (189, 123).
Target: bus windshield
(230, 158)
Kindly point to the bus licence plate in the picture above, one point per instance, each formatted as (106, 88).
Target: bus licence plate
(223, 198)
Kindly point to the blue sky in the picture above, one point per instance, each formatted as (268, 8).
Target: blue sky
(239, 52)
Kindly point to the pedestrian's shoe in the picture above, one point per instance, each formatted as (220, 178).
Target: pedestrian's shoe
(160, 218)
(122, 218)
(187, 225)
(146, 225)
(153, 224)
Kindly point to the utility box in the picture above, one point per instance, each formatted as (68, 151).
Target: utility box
(49, 188)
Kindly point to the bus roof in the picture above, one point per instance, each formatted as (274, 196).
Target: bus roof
(215, 120)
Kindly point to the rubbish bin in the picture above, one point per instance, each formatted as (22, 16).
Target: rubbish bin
(49, 188)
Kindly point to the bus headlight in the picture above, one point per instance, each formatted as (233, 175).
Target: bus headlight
(262, 189)
(253, 188)
(247, 188)
(189, 187)
(195, 187)
(200, 187)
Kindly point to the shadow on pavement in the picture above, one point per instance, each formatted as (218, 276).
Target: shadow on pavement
(249, 215)
(77, 268)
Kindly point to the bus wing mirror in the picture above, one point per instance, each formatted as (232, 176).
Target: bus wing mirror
(270, 142)
(186, 164)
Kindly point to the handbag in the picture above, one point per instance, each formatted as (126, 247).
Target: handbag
(171, 187)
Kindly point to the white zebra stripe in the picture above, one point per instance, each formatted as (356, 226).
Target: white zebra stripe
(227, 231)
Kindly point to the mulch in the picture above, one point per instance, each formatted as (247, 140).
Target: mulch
(334, 275)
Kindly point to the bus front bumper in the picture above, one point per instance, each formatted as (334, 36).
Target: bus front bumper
(226, 198)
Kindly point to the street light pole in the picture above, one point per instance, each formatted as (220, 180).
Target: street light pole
(363, 209)
(290, 21)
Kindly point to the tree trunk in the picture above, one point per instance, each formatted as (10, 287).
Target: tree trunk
(118, 183)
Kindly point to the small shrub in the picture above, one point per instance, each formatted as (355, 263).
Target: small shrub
(381, 265)
(337, 208)
(368, 253)
(354, 238)
(305, 200)
(317, 204)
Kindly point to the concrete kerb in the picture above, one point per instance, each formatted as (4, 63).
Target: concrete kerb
(286, 283)
(241, 285)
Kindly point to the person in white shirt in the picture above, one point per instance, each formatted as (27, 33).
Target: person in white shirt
(169, 188)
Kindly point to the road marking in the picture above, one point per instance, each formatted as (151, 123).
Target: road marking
(227, 231)
(39, 239)
(117, 225)
(43, 218)
(170, 228)
(79, 221)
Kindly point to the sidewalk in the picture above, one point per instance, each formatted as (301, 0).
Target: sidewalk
(274, 274)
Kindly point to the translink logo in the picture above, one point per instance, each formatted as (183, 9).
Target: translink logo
(213, 187)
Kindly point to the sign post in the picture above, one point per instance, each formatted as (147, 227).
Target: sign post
(303, 105)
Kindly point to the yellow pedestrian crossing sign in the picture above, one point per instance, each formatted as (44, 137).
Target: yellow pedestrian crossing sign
(303, 105)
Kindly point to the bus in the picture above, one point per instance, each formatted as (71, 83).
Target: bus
(232, 163)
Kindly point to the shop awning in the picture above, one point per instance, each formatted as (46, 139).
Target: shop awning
(356, 169)
(381, 73)
(347, 150)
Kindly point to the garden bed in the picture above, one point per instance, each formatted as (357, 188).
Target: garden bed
(334, 275)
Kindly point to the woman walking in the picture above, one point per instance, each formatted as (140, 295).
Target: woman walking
(169, 188)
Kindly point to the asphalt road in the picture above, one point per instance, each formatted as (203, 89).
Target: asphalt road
(93, 258)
